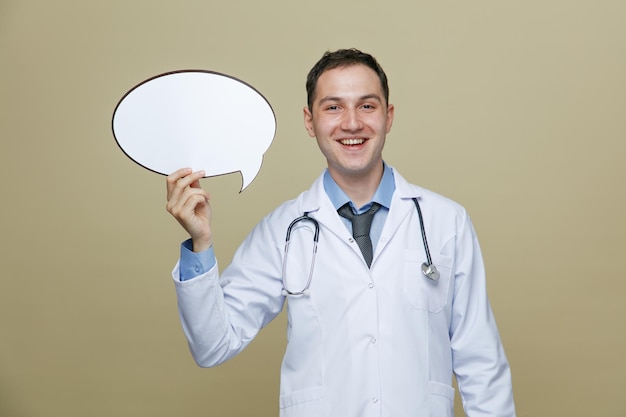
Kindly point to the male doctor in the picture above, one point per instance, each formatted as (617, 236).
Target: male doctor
(370, 334)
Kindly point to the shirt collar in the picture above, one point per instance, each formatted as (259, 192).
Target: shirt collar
(382, 196)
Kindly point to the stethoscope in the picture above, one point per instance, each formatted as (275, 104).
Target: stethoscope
(428, 268)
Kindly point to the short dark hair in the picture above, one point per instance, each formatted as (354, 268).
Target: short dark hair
(340, 59)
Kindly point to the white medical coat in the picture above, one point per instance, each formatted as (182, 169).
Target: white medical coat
(365, 342)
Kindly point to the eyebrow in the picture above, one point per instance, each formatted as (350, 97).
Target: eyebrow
(362, 98)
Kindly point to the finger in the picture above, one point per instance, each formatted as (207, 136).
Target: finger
(194, 214)
(195, 184)
(181, 179)
(172, 179)
(179, 206)
(178, 174)
(194, 204)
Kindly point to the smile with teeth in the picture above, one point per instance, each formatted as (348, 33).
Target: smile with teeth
(352, 141)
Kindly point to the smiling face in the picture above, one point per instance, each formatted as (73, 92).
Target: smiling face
(350, 118)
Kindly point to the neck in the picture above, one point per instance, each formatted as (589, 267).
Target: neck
(359, 188)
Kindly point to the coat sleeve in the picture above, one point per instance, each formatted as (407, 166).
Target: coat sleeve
(479, 361)
(221, 315)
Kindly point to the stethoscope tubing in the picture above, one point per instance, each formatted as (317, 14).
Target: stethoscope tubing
(428, 268)
(316, 237)
(421, 218)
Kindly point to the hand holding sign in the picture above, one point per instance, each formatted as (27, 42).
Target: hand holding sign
(198, 119)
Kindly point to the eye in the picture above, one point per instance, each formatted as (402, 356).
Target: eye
(368, 106)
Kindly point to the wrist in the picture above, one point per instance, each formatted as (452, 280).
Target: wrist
(200, 245)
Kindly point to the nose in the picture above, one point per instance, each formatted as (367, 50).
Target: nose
(351, 120)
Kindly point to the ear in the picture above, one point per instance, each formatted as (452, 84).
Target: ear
(390, 113)
(308, 122)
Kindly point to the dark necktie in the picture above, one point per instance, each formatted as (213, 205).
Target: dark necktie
(361, 224)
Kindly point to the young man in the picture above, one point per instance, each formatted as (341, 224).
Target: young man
(369, 333)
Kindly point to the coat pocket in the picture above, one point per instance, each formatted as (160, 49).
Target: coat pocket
(306, 402)
(424, 293)
(440, 399)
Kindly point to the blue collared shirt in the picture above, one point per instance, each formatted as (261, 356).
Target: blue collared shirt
(193, 264)
(382, 196)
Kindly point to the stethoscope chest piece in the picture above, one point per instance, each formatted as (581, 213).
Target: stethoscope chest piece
(430, 271)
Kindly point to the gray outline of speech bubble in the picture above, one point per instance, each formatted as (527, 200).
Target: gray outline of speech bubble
(246, 172)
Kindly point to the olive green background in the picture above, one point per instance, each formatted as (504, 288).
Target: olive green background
(515, 109)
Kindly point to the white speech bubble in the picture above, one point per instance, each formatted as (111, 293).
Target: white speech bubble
(198, 119)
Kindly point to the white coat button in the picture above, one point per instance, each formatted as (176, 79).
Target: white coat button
(374, 400)
(351, 240)
(373, 341)
(370, 285)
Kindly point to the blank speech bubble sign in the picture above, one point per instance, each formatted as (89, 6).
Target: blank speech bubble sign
(198, 119)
